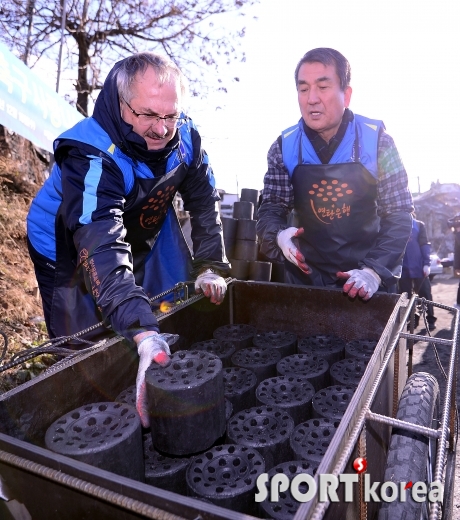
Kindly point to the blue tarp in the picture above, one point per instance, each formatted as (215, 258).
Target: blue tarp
(28, 106)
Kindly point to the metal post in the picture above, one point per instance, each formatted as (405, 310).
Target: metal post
(63, 22)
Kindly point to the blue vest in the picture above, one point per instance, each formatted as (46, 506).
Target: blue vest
(361, 130)
(44, 208)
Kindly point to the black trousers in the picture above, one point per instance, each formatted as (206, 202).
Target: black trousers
(422, 287)
(45, 270)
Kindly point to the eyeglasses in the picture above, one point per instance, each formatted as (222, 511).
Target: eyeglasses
(151, 119)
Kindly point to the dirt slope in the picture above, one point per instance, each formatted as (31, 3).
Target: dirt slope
(20, 309)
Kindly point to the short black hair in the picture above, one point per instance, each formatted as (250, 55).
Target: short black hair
(328, 56)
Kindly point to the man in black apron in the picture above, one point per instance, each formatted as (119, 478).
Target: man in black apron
(102, 231)
(336, 207)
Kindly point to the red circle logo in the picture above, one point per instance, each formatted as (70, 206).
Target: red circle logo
(360, 465)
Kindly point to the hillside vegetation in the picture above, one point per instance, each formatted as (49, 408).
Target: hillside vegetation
(21, 316)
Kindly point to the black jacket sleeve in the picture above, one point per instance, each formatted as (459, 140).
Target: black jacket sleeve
(271, 219)
(277, 203)
(200, 197)
(394, 209)
(98, 237)
(385, 258)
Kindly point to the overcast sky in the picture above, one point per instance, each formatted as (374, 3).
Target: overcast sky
(405, 63)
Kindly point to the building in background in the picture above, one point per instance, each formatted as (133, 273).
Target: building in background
(435, 207)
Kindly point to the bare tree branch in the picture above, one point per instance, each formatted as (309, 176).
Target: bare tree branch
(99, 33)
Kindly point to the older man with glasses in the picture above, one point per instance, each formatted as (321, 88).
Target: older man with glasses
(102, 232)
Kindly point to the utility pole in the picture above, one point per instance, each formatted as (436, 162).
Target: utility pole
(63, 22)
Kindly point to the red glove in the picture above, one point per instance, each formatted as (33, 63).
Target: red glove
(360, 282)
(212, 285)
(151, 346)
(290, 251)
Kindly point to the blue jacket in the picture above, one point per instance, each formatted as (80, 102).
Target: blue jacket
(104, 211)
(44, 208)
(417, 253)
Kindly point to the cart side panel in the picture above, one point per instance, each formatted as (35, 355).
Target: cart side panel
(27, 411)
(311, 310)
(52, 486)
(65, 504)
(196, 322)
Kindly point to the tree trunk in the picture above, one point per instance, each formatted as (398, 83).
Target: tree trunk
(83, 87)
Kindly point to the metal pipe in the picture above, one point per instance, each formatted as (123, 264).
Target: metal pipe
(416, 428)
(362, 452)
(435, 512)
(63, 23)
(429, 339)
(410, 342)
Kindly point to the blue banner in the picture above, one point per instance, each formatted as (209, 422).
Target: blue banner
(28, 106)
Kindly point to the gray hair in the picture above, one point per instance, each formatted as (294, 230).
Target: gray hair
(165, 70)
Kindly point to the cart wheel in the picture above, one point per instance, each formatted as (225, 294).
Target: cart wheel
(411, 456)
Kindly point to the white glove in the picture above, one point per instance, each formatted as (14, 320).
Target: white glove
(212, 285)
(290, 251)
(360, 282)
(151, 347)
(426, 270)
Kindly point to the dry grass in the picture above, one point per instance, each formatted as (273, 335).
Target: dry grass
(17, 279)
(20, 308)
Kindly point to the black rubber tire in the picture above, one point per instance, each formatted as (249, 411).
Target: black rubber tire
(408, 454)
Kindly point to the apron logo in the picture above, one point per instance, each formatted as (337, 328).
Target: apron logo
(156, 208)
(328, 200)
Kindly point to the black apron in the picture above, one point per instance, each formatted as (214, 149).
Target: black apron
(336, 204)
